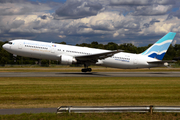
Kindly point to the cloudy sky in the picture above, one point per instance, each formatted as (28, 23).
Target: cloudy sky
(140, 22)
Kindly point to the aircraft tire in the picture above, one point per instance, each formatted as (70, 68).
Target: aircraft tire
(86, 70)
(89, 69)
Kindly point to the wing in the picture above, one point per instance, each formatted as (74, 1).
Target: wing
(93, 58)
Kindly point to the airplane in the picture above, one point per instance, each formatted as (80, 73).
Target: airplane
(68, 54)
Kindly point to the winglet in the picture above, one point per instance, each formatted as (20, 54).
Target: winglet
(159, 49)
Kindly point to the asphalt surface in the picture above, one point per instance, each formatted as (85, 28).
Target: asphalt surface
(92, 74)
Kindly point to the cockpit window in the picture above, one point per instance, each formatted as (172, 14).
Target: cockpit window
(10, 43)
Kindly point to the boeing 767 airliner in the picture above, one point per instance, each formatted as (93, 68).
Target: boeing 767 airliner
(68, 54)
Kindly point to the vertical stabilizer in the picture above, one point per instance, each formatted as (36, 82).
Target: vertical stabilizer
(159, 49)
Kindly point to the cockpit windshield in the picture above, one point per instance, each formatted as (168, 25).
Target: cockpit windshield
(10, 43)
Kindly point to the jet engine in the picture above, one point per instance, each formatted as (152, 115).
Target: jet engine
(67, 60)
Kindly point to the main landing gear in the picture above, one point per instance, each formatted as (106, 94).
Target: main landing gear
(86, 69)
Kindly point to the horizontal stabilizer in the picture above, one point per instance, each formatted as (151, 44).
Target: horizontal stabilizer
(164, 61)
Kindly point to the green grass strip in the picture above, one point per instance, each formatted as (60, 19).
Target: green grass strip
(95, 116)
(36, 92)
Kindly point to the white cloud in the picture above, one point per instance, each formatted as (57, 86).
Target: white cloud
(152, 10)
(115, 34)
(127, 21)
(62, 36)
(129, 2)
(174, 42)
(163, 26)
(24, 8)
(77, 9)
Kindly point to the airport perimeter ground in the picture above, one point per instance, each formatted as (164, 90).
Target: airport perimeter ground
(52, 92)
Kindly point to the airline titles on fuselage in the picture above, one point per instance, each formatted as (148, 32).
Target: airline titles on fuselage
(123, 59)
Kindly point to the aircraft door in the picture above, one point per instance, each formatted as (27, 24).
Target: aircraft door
(135, 61)
(52, 50)
(20, 46)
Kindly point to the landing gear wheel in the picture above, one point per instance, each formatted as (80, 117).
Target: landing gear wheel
(86, 70)
(89, 69)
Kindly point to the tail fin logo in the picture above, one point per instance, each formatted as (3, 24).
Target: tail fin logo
(159, 49)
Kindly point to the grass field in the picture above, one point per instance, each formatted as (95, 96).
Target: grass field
(35, 92)
(42, 92)
(91, 116)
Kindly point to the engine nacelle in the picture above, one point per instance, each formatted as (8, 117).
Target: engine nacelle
(67, 60)
(166, 64)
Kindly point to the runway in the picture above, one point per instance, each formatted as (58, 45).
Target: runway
(92, 74)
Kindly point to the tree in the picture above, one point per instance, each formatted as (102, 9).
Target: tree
(128, 47)
(62, 42)
(177, 49)
(84, 45)
(170, 54)
(5, 56)
(111, 46)
(94, 44)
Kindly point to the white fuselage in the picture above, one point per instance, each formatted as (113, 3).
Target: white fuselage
(52, 51)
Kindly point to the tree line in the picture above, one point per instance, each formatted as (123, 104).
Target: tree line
(8, 58)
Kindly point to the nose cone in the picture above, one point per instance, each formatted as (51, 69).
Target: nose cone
(5, 46)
